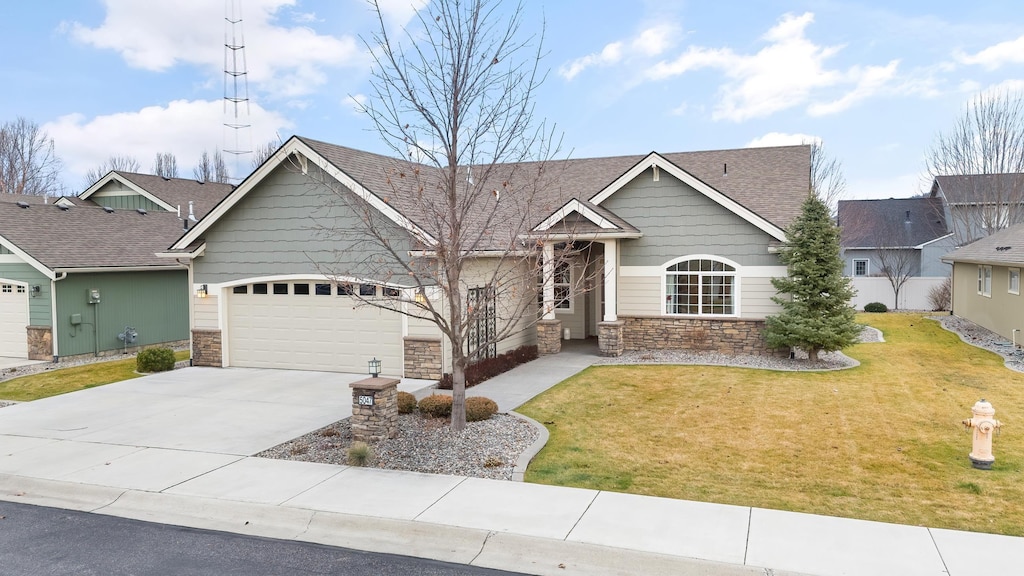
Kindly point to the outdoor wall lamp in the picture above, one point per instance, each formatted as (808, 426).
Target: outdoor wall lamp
(202, 291)
(374, 367)
(421, 297)
(35, 289)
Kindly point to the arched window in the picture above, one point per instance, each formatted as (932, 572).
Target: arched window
(701, 286)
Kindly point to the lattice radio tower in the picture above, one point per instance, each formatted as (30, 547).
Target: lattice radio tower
(238, 130)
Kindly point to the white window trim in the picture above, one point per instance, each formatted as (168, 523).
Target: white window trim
(570, 308)
(1013, 273)
(867, 267)
(736, 286)
(985, 280)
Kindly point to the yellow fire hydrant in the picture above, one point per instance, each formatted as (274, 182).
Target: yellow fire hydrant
(984, 426)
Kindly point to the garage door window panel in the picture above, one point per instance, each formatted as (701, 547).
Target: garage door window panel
(259, 288)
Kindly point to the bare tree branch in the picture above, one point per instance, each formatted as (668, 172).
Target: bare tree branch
(28, 163)
(166, 165)
(986, 141)
(119, 163)
(211, 169)
(827, 179)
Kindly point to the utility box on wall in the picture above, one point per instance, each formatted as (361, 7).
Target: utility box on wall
(94, 296)
(76, 319)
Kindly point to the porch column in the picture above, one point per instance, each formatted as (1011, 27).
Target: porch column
(610, 292)
(549, 330)
(549, 281)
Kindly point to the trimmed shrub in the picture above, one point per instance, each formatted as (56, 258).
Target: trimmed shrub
(875, 307)
(155, 360)
(406, 403)
(479, 408)
(436, 406)
(359, 454)
(488, 368)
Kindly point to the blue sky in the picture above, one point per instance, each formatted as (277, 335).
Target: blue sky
(875, 81)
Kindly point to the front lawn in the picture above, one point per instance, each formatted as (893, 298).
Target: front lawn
(63, 380)
(883, 441)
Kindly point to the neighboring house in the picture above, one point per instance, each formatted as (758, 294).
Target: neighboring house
(909, 232)
(979, 204)
(682, 249)
(986, 282)
(76, 273)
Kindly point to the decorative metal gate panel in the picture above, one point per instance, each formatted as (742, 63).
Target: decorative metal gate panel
(484, 327)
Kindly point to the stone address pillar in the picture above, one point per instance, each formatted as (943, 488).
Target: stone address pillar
(374, 409)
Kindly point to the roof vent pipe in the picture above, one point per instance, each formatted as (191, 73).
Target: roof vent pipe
(725, 169)
(179, 210)
(191, 212)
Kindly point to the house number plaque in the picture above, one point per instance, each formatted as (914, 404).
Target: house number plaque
(365, 400)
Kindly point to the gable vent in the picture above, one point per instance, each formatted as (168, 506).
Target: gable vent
(22, 204)
(108, 209)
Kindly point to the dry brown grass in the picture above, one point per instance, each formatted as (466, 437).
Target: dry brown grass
(883, 441)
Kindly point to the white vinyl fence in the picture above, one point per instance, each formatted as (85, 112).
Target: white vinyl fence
(913, 294)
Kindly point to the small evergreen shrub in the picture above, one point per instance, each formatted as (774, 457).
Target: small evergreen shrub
(875, 307)
(479, 408)
(406, 403)
(155, 360)
(488, 368)
(436, 406)
(359, 454)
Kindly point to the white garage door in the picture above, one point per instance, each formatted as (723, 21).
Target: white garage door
(311, 326)
(13, 320)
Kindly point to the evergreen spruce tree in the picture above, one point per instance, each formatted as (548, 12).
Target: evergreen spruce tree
(817, 317)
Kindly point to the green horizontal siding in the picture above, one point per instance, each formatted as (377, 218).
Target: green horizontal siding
(154, 303)
(38, 306)
(130, 202)
(677, 220)
(291, 224)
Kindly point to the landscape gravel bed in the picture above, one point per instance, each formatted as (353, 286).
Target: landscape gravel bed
(975, 335)
(487, 449)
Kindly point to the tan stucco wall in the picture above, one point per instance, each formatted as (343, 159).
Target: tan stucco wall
(1001, 313)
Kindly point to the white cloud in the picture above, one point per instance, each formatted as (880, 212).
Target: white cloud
(284, 61)
(782, 139)
(400, 12)
(870, 80)
(184, 128)
(1005, 87)
(995, 56)
(355, 102)
(785, 73)
(650, 42)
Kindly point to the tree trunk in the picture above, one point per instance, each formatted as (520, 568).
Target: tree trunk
(812, 355)
(459, 395)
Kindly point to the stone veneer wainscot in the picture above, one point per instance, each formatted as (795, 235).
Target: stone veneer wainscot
(724, 335)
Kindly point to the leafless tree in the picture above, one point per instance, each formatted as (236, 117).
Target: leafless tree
(119, 163)
(28, 163)
(985, 142)
(263, 152)
(884, 237)
(211, 168)
(452, 98)
(827, 179)
(166, 165)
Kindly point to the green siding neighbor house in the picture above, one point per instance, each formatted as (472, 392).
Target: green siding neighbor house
(667, 251)
(78, 275)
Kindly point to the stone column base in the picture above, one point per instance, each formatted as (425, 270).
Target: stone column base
(422, 358)
(206, 348)
(609, 338)
(374, 409)
(549, 337)
(40, 343)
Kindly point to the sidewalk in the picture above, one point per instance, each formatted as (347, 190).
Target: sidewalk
(122, 450)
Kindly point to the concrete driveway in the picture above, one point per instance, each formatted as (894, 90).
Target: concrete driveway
(171, 426)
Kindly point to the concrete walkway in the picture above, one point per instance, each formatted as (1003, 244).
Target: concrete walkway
(176, 448)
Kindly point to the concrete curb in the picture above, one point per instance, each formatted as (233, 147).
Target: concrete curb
(519, 471)
(446, 543)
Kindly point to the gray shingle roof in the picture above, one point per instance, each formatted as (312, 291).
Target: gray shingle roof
(973, 188)
(892, 222)
(179, 191)
(1005, 247)
(89, 237)
(772, 182)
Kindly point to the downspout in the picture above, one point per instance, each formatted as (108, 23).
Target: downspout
(53, 314)
(191, 305)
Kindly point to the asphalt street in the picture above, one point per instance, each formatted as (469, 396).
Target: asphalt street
(40, 541)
